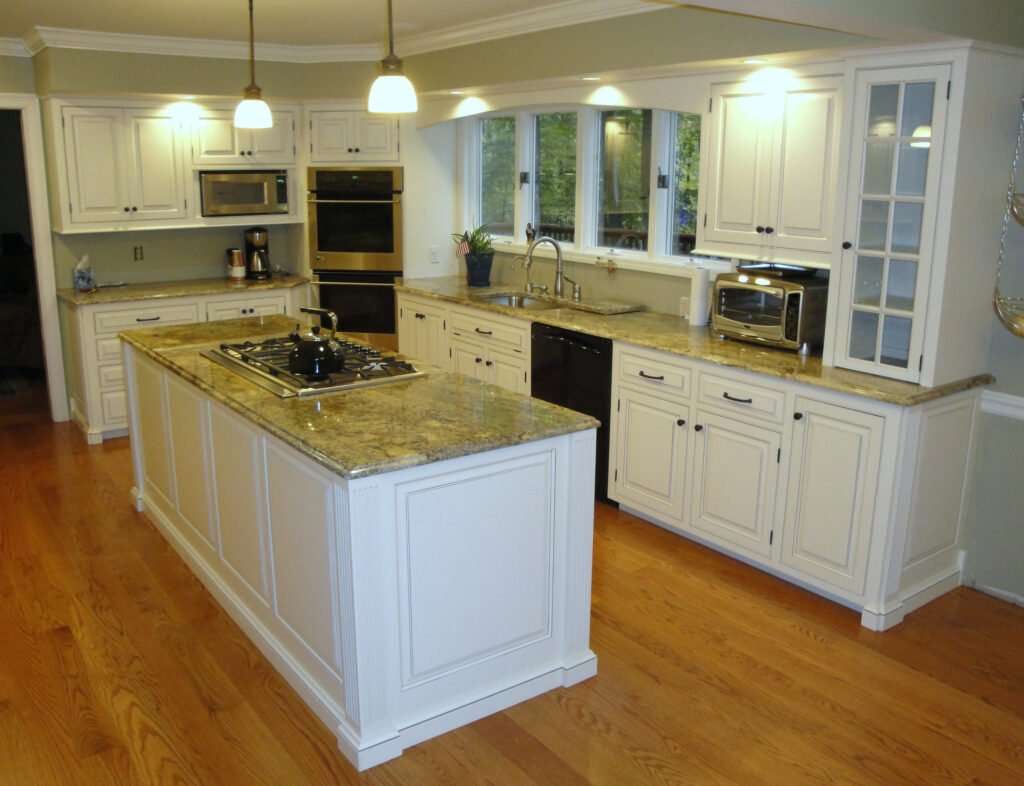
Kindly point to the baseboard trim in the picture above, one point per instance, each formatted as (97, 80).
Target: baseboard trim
(995, 592)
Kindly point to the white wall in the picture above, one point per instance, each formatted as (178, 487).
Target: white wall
(429, 200)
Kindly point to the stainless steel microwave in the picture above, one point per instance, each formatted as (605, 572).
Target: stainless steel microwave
(781, 312)
(244, 193)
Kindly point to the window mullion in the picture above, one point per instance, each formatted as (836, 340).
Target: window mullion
(587, 164)
(526, 146)
(659, 220)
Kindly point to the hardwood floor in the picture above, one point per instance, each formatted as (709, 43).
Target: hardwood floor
(116, 667)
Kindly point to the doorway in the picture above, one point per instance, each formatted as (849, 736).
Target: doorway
(22, 362)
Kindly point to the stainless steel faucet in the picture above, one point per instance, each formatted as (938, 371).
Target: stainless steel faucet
(559, 271)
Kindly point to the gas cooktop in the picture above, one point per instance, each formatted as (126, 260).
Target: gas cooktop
(266, 364)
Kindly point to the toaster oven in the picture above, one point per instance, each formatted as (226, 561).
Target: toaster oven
(786, 312)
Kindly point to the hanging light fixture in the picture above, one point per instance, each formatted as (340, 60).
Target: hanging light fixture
(252, 111)
(392, 92)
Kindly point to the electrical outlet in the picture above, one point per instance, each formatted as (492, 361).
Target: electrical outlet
(137, 254)
(435, 256)
(684, 306)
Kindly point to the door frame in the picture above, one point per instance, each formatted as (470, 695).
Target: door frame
(42, 248)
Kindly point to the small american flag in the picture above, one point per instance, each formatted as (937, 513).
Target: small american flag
(463, 248)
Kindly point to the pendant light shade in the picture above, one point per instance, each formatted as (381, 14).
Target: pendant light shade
(392, 92)
(253, 111)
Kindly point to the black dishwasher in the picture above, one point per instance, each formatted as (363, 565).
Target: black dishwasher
(574, 370)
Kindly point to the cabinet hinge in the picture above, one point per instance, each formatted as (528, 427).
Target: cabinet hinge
(618, 405)
(616, 475)
(524, 376)
(705, 220)
(771, 537)
(920, 362)
(709, 105)
(778, 456)
(949, 87)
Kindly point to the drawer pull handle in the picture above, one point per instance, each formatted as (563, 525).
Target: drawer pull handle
(146, 319)
(420, 316)
(649, 376)
(484, 332)
(737, 400)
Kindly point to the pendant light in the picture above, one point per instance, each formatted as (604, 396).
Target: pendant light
(252, 111)
(392, 92)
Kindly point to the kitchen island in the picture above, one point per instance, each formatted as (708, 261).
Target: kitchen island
(410, 556)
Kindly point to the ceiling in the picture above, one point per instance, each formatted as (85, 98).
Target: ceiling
(309, 23)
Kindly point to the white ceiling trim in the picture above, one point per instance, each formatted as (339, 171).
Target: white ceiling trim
(572, 12)
(40, 38)
(13, 47)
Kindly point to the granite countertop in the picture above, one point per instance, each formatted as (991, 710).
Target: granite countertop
(186, 288)
(670, 333)
(363, 432)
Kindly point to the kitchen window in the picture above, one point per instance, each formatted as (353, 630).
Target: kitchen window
(613, 182)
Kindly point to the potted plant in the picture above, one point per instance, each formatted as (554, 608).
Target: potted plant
(476, 248)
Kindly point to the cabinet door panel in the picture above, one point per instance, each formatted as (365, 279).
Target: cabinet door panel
(830, 502)
(735, 474)
(508, 370)
(214, 138)
(651, 450)
(266, 306)
(241, 508)
(156, 457)
(157, 187)
(189, 433)
(98, 180)
(467, 358)
(274, 145)
(378, 138)
(331, 136)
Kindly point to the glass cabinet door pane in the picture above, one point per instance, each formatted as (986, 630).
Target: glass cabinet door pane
(906, 227)
(867, 285)
(917, 107)
(863, 335)
(899, 290)
(874, 221)
(878, 168)
(912, 170)
(883, 103)
(895, 341)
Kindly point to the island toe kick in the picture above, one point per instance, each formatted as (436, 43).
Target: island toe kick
(400, 605)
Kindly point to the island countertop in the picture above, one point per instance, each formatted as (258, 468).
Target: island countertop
(362, 432)
(674, 334)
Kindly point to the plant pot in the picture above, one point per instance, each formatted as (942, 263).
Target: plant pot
(478, 269)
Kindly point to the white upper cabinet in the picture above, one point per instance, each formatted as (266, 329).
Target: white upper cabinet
(123, 165)
(349, 135)
(889, 227)
(772, 166)
(215, 140)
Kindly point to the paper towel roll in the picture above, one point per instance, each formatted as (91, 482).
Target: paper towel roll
(699, 293)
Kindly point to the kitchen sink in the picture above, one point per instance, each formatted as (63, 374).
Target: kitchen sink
(516, 300)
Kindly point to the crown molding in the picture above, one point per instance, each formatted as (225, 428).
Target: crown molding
(40, 38)
(572, 12)
(13, 47)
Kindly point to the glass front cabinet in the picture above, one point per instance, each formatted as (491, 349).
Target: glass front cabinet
(889, 226)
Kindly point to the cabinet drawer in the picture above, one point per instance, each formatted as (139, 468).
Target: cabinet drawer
(642, 369)
(148, 316)
(108, 349)
(111, 377)
(469, 324)
(753, 400)
(115, 408)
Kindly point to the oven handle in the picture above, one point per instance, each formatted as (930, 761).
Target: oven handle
(349, 284)
(354, 201)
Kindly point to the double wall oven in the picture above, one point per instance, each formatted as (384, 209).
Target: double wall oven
(355, 243)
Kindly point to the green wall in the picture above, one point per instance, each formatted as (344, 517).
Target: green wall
(16, 75)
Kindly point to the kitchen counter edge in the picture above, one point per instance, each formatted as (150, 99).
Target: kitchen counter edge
(159, 290)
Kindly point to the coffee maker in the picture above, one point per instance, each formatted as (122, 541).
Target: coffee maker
(257, 254)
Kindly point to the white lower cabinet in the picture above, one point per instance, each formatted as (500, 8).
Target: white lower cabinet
(246, 307)
(422, 329)
(822, 488)
(833, 479)
(735, 475)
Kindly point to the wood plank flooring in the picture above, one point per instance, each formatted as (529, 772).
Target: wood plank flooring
(116, 667)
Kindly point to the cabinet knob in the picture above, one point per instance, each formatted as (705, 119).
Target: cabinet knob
(847, 245)
(698, 427)
(680, 422)
(134, 209)
(798, 416)
(126, 209)
(769, 230)
(759, 229)
(489, 363)
(479, 360)
(357, 149)
(351, 150)
(420, 316)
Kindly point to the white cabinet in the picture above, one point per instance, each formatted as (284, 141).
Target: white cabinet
(215, 140)
(263, 306)
(122, 165)
(422, 329)
(490, 347)
(833, 478)
(735, 476)
(769, 191)
(349, 135)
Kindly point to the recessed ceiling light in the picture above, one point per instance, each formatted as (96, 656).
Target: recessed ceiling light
(456, 92)
(591, 79)
(754, 61)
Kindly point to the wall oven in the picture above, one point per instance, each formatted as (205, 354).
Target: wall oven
(355, 241)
